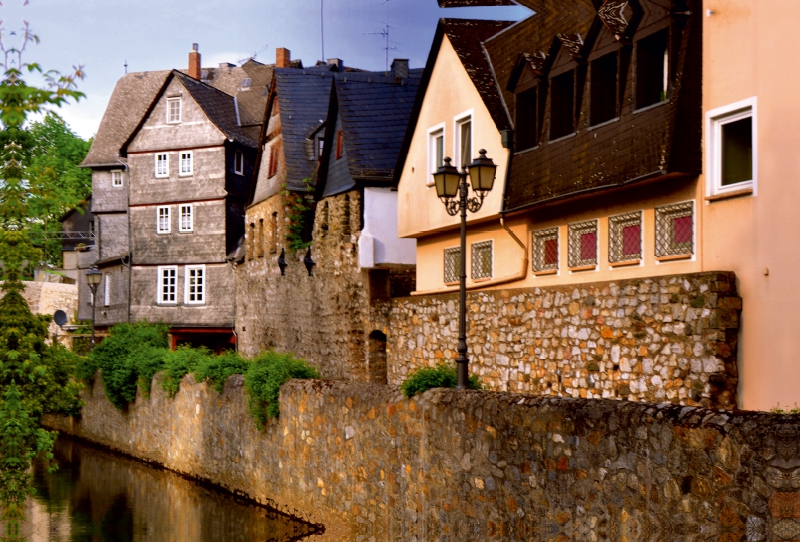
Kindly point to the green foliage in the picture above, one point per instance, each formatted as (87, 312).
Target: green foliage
(128, 357)
(180, 362)
(299, 212)
(777, 409)
(444, 375)
(216, 369)
(264, 378)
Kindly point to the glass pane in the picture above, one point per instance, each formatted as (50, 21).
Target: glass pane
(439, 144)
(589, 246)
(551, 251)
(737, 151)
(631, 240)
(682, 230)
(466, 143)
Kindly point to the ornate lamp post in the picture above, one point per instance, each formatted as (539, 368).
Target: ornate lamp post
(93, 276)
(453, 191)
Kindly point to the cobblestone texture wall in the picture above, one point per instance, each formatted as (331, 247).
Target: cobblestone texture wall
(470, 465)
(667, 338)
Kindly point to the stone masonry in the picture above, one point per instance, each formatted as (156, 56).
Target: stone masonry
(453, 466)
(669, 338)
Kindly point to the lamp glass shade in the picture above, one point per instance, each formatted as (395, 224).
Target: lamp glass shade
(446, 180)
(93, 276)
(482, 173)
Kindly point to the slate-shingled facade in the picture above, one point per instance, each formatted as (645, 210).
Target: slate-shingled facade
(167, 225)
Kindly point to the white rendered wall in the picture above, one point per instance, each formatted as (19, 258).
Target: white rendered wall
(379, 243)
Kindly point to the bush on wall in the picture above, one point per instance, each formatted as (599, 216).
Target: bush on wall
(443, 375)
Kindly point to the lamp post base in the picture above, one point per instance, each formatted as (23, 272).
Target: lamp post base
(462, 371)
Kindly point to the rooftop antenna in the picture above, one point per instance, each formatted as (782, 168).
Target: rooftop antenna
(322, 30)
(126, 66)
(385, 34)
(254, 55)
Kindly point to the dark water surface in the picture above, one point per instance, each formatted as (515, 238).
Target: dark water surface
(97, 496)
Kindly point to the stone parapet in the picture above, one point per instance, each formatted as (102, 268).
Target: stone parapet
(452, 465)
(670, 338)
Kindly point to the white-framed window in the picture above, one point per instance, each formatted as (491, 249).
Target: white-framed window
(186, 163)
(162, 219)
(625, 237)
(173, 110)
(583, 244)
(167, 285)
(106, 290)
(462, 151)
(186, 218)
(195, 288)
(482, 260)
(238, 162)
(675, 230)
(246, 83)
(116, 178)
(545, 250)
(731, 155)
(162, 164)
(435, 151)
(452, 264)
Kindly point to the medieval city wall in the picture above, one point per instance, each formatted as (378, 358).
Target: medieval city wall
(671, 338)
(452, 465)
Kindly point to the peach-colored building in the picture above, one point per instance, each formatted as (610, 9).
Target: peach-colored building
(648, 140)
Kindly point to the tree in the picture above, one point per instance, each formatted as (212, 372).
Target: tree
(54, 153)
(34, 377)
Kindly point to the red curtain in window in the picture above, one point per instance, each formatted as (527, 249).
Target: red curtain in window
(589, 246)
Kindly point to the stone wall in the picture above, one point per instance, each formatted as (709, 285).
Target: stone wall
(48, 297)
(669, 338)
(473, 465)
(324, 318)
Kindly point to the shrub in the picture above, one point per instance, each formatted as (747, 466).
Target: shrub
(444, 375)
(216, 369)
(178, 363)
(264, 378)
(130, 355)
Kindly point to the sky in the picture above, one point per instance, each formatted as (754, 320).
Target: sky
(102, 35)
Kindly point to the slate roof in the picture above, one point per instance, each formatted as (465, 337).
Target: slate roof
(131, 98)
(218, 106)
(473, 3)
(303, 97)
(374, 111)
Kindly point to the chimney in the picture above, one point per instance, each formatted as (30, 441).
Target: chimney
(194, 62)
(338, 63)
(400, 68)
(283, 58)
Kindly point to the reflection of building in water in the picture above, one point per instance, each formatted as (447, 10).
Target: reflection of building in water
(98, 496)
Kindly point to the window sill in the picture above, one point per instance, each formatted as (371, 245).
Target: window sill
(673, 257)
(625, 263)
(186, 231)
(483, 279)
(545, 272)
(163, 232)
(456, 283)
(529, 149)
(601, 124)
(649, 107)
(583, 268)
(162, 176)
(730, 195)
(562, 138)
(185, 174)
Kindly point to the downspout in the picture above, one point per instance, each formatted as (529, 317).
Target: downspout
(519, 275)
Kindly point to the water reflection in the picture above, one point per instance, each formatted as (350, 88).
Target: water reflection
(96, 496)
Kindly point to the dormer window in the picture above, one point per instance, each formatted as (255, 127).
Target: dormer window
(603, 89)
(562, 105)
(527, 125)
(173, 110)
(652, 69)
(203, 75)
(246, 82)
(238, 162)
(116, 179)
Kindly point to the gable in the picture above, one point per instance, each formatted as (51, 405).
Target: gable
(194, 130)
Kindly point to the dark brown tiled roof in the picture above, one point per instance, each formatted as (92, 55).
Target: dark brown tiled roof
(131, 98)
(467, 37)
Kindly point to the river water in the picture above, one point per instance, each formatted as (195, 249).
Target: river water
(96, 496)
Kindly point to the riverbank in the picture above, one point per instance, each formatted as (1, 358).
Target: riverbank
(469, 465)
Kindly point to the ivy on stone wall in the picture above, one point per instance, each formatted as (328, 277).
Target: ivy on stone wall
(300, 217)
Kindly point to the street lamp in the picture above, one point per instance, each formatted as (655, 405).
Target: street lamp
(93, 276)
(453, 191)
